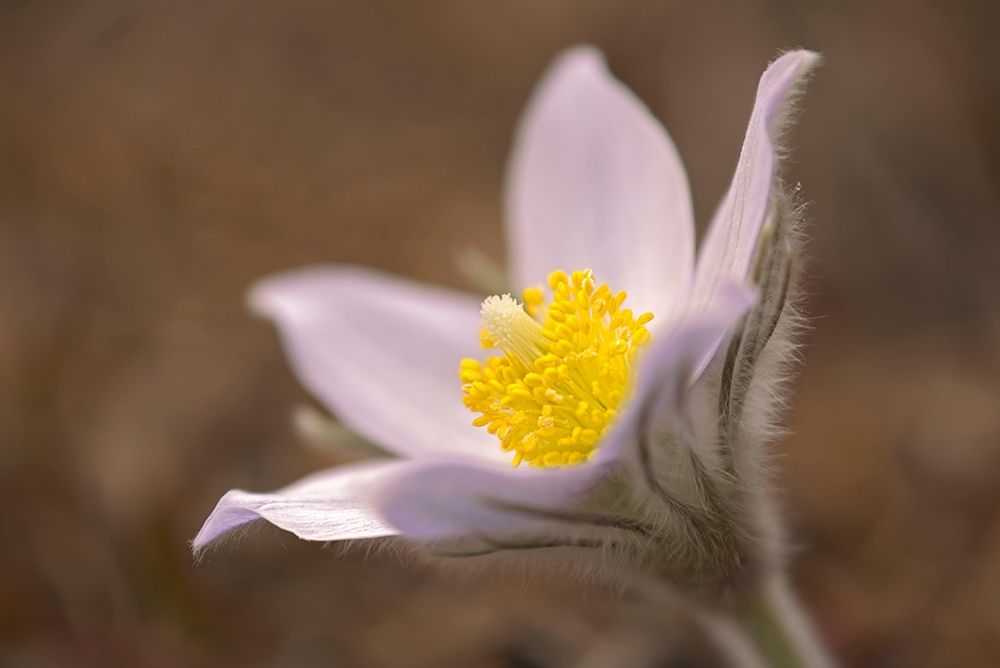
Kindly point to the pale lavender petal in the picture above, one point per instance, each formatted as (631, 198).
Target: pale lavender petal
(595, 183)
(677, 357)
(436, 500)
(324, 506)
(382, 354)
(440, 500)
(729, 245)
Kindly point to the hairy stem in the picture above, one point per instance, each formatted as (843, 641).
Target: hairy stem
(775, 630)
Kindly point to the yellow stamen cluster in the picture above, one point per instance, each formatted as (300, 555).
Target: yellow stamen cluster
(563, 371)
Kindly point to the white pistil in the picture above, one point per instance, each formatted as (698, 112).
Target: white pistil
(512, 329)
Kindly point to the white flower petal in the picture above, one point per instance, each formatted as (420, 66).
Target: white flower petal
(382, 354)
(729, 245)
(595, 183)
(436, 500)
(323, 506)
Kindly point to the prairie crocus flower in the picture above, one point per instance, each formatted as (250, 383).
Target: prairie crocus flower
(632, 388)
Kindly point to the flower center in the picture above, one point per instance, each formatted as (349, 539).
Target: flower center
(562, 372)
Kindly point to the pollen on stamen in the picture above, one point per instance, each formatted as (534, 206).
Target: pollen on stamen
(563, 369)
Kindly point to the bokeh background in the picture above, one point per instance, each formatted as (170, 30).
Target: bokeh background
(157, 156)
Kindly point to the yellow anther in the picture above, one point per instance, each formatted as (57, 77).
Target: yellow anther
(485, 341)
(562, 348)
(617, 301)
(640, 336)
(533, 380)
(562, 367)
(533, 298)
(518, 391)
(546, 361)
(557, 278)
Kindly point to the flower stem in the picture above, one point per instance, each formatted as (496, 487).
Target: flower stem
(779, 628)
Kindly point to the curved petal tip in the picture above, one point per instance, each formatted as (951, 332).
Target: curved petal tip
(732, 236)
(325, 506)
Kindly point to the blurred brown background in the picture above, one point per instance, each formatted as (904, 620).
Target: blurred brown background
(158, 156)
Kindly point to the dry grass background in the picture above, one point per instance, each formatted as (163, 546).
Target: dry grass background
(158, 156)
